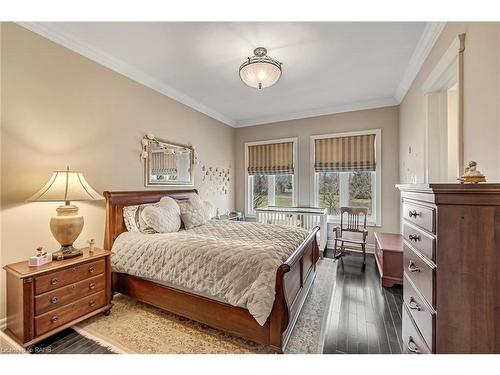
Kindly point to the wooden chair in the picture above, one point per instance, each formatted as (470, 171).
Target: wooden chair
(355, 223)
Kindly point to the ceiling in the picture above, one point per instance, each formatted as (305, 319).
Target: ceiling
(328, 67)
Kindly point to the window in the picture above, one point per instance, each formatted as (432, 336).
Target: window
(346, 172)
(270, 174)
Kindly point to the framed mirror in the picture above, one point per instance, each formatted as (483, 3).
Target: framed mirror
(167, 163)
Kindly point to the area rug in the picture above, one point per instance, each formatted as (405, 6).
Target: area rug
(135, 327)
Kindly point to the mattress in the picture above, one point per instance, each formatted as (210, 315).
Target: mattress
(230, 261)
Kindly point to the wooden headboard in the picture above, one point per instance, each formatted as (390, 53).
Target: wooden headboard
(116, 200)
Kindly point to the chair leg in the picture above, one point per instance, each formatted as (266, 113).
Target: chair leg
(363, 247)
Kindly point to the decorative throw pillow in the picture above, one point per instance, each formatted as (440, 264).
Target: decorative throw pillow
(132, 216)
(193, 212)
(163, 217)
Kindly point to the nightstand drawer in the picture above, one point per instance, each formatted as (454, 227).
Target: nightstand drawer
(60, 297)
(68, 275)
(66, 314)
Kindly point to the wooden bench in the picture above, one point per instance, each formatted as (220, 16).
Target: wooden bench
(389, 258)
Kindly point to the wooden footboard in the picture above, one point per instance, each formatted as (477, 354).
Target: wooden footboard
(293, 281)
(294, 278)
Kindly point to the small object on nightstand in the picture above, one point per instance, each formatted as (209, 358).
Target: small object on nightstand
(41, 257)
(217, 214)
(91, 243)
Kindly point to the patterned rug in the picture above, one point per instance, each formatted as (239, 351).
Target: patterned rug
(135, 327)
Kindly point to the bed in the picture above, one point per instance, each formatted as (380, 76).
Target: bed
(269, 322)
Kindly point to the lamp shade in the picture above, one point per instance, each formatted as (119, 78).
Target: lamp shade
(66, 186)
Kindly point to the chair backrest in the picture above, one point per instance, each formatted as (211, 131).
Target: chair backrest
(355, 220)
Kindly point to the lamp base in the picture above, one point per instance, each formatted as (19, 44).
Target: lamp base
(66, 252)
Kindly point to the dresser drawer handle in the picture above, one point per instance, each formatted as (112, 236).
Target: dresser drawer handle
(92, 286)
(414, 237)
(54, 319)
(412, 267)
(54, 281)
(92, 303)
(414, 305)
(54, 300)
(91, 269)
(413, 213)
(415, 350)
(73, 269)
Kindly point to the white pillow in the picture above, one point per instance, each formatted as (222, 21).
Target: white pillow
(132, 216)
(163, 217)
(193, 212)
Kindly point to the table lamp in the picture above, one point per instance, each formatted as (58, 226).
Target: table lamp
(66, 186)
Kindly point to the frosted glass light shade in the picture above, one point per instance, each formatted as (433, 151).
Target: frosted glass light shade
(66, 186)
(260, 71)
(260, 74)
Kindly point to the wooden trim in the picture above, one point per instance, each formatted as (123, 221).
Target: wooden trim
(294, 279)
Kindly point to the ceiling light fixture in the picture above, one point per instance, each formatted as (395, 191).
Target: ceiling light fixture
(260, 71)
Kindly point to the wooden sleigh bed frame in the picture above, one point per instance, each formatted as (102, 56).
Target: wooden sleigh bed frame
(294, 279)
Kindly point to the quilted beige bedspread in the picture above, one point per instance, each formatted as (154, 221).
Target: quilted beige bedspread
(235, 262)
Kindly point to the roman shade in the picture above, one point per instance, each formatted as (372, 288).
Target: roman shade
(271, 159)
(163, 162)
(341, 154)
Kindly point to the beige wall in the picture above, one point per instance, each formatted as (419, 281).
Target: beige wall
(481, 102)
(382, 118)
(60, 108)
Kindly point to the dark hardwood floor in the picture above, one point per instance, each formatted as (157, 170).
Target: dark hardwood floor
(365, 318)
(68, 342)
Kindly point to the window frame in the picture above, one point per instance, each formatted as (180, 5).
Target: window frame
(376, 218)
(249, 211)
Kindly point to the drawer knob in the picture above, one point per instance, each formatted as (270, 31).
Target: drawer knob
(92, 303)
(413, 213)
(414, 305)
(54, 281)
(414, 237)
(54, 319)
(92, 286)
(54, 300)
(91, 269)
(412, 347)
(412, 267)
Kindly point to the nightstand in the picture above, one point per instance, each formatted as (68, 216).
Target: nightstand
(44, 300)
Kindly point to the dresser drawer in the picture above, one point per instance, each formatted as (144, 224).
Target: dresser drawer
(422, 315)
(66, 314)
(61, 296)
(421, 272)
(423, 216)
(420, 240)
(413, 343)
(68, 275)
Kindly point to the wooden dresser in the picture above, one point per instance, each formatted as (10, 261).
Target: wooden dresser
(451, 283)
(47, 299)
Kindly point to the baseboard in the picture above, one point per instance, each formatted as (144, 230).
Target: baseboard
(370, 248)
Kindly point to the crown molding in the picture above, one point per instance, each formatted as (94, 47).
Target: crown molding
(369, 104)
(64, 39)
(424, 46)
